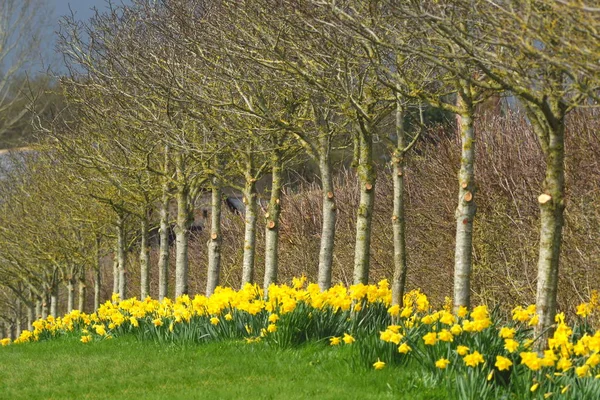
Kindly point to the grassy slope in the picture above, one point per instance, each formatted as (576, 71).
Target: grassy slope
(126, 369)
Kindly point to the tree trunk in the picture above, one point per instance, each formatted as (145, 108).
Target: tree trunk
(30, 316)
(214, 243)
(272, 222)
(329, 214)
(116, 271)
(6, 328)
(70, 293)
(465, 211)
(121, 258)
(81, 292)
(38, 309)
(97, 276)
(163, 258)
(398, 219)
(31, 308)
(54, 298)
(144, 257)
(364, 217)
(552, 205)
(97, 287)
(18, 316)
(45, 303)
(182, 234)
(249, 230)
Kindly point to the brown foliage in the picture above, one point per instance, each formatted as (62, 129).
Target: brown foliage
(509, 173)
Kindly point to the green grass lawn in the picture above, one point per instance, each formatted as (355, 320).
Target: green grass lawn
(124, 368)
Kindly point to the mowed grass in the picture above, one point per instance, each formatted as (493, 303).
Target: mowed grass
(125, 368)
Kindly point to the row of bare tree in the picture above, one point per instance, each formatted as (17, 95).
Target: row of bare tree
(171, 98)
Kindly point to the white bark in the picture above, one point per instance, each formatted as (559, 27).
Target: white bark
(465, 211)
(272, 223)
(364, 217)
(45, 304)
(163, 260)
(30, 316)
(215, 240)
(398, 217)
(54, 299)
(249, 231)
(329, 214)
(18, 316)
(97, 286)
(121, 259)
(116, 272)
(70, 294)
(182, 234)
(144, 258)
(38, 309)
(551, 223)
(82, 289)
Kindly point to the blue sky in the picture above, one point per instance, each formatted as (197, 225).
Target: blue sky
(83, 11)
(82, 8)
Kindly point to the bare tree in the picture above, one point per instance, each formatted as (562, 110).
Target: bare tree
(523, 48)
(21, 26)
(300, 41)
